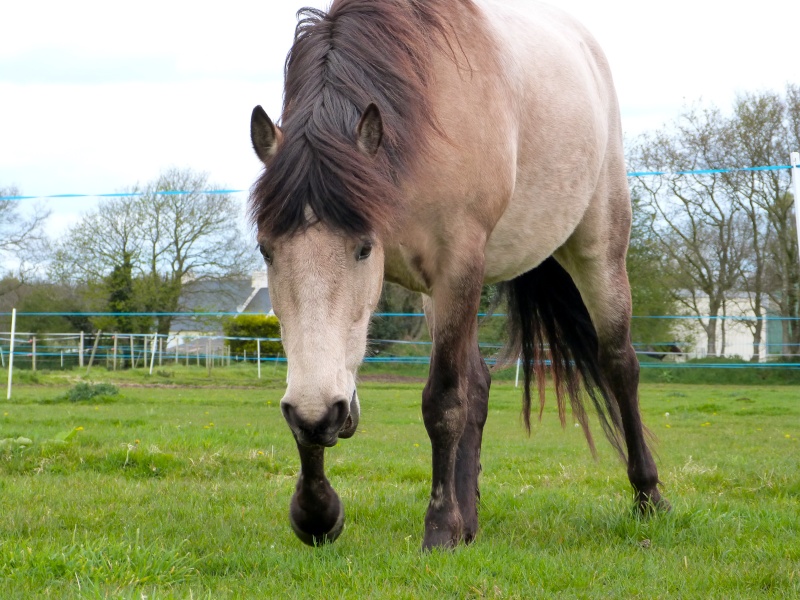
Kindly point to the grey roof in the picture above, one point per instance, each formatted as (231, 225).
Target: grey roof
(260, 303)
(225, 295)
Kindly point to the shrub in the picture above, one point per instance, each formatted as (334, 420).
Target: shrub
(253, 326)
(84, 392)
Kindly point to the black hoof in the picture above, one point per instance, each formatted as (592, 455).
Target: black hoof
(316, 532)
(648, 505)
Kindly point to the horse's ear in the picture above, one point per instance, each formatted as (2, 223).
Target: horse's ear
(369, 132)
(264, 134)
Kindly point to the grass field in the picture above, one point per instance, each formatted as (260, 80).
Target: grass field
(183, 492)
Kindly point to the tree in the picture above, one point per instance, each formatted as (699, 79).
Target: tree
(648, 269)
(728, 232)
(694, 220)
(398, 300)
(42, 297)
(121, 299)
(20, 235)
(167, 238)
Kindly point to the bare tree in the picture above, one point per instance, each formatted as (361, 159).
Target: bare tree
(168, 239)
(756, 135)
(697, 224)
(21, 235)
(743, 218)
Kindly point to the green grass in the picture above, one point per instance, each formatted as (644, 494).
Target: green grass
(183, 492)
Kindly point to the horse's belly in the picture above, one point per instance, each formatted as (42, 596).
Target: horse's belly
(529, 231)
(563, 129)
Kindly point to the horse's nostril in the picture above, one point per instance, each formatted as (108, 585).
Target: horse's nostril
(338, 414)
(321, 430)
(289, 414)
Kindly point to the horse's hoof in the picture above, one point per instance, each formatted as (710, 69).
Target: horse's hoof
(317, 538)
(652, 504)
(442, 540)
(445, 537)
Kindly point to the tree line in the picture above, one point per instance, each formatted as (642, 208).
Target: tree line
(143, 252)
(699, 242)
(720, 237)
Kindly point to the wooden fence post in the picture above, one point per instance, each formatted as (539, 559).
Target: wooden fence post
(94, 349)
(80, 353)
(33, 353)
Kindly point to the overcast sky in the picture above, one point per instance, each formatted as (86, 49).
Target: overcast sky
(97, 96)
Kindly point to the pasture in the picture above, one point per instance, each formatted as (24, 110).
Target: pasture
(182, 492)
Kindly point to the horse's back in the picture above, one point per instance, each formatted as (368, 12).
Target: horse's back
(566, 128)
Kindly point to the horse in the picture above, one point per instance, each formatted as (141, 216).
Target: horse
(444, 145)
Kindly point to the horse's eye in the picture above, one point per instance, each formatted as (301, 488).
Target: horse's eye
(364, 250)
(265, 253)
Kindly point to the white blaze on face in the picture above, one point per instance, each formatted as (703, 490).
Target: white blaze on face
(324, 293)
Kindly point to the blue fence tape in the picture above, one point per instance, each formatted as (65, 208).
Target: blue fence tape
(481, 315)
(219, 192)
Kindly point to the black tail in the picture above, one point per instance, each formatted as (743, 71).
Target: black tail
(546, 311)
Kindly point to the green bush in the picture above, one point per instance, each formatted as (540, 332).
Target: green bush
(253, 326)
(84, 392)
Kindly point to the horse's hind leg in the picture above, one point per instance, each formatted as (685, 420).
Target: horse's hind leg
(468, 454)
(468, 457)
(603, 284)
(454, 406)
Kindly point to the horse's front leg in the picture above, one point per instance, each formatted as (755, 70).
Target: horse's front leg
(316, 513)
(446, 410)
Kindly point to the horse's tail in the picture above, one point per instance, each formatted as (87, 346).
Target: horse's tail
(546, 311)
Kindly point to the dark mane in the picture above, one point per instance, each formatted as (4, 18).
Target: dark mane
(361, 51)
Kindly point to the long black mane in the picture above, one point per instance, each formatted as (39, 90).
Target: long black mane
(360, 52)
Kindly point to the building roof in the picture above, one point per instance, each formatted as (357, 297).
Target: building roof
(235, 295)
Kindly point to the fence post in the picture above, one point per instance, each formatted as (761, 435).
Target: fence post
(160, 352)
(177, 345)
(80, 353)
(33, 353)
(115, 351)
(11, 352)
(153, 348)
(94, 349)
(133, 362)
(2, 358)
(258, 357)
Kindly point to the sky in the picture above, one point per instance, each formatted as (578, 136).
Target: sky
(96, 96)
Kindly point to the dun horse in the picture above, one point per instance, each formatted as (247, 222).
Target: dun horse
(445, 144)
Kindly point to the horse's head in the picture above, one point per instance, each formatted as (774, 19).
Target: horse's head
(324, 284)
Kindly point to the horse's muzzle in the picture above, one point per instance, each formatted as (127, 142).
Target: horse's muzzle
(351, 423)
(340, 420)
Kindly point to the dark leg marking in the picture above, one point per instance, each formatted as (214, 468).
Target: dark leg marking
(468, 456)
(316, 513)
(621, 367)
